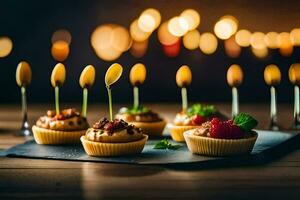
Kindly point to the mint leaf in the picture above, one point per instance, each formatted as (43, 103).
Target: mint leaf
(202, 110)
(165, 144)
(245, 122)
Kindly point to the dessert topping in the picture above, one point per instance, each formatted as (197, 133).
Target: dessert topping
(230, 129)
(115, 125)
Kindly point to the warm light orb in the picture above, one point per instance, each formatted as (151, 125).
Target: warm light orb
(272, 75)
(191, 39)
(226, 27)
(184, 76)
(272, 40)
(295, 36)
(61, 35)
(60, 50)
(260, 53)
(120, 39)
(192, 18)
(257, 40)
(109, 41)
(6, 46)
(208, 43)
(285, 44)
(149, 20)
(294, 73)
(137, 33)
(242, 38)
(137, 74)
(234, 75)
(139, 49)
(172, 50)
(178, 26)
(146, 23)
(164, 35)
(232, 49)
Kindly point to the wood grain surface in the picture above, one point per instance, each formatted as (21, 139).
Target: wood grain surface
(50, 179)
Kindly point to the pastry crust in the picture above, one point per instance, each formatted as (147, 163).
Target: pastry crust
(97, 135)
(47, 136)
(219, 147)
(102, 149)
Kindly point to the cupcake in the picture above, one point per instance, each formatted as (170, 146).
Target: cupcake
(64, 128)
(113, 138)
(223, 138)
(149, 121)
(191, 119)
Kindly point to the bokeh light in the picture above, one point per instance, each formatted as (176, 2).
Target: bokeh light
(208, 43)
(137, 33)
(260, 53)
(226, 27)
(295, 36)
(242, 38)
(120, 39)
(178, 26)
(164, 36)
(61, 35)
(257, 40)
(272, 40)
(149, 20)
(6, 46)
(191, 40)
(60, 50)
(232, 49)
(285, 44)
(192, 18)
(172, 50)
(139, 49)
(109, 41)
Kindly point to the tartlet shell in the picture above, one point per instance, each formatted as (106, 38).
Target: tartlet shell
(153, 129)
(219, 147)
(177, 131)
(101, 149)
(47, 136)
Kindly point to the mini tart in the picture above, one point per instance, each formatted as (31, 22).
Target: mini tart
(149, 122)
(179, 126)
(104, 141)
(177, 131)
(102, 149)
(47, 136)
(66, 128)
(153, 129)
(219, 147)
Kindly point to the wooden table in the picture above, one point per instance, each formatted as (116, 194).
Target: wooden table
(38, 178)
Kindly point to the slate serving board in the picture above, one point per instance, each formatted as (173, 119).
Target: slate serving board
(266, 141)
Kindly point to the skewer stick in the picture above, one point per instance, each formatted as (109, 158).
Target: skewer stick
(184, 99)
(235, 102)
(135, 97)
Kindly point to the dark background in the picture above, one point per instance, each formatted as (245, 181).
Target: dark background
(30, 24)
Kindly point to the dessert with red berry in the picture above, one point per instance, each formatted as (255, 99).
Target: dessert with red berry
(66, 127)
(144, 118)
(219, 137)
(113, 138)
(194, 117)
